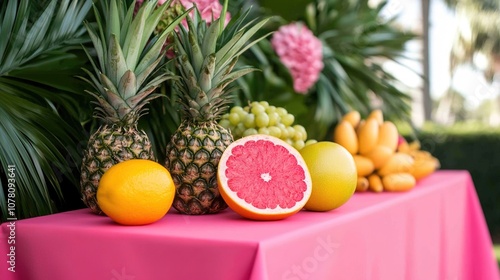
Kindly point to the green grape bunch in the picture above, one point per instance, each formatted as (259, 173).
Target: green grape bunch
(261, 118)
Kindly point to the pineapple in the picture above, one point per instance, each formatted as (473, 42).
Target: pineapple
(206, 56)
(126, 76)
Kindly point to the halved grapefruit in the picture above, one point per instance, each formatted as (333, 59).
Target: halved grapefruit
(262, 177)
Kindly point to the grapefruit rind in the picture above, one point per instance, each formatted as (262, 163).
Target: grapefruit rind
(246, 209)
(334, 175)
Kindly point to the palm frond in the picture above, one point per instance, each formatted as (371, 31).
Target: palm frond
(54, 27)
(40, 54)
(37, 143)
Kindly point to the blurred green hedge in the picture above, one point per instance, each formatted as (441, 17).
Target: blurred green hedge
(469, 147)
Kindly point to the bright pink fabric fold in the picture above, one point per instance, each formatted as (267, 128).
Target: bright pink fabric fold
(435, 231)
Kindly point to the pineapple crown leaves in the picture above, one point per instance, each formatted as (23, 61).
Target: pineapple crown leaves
(126, 72)
(206, 57)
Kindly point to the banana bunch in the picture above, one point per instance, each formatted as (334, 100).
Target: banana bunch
(383, 161)
(424, 163)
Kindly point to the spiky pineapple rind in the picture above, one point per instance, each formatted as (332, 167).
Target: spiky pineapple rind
(194, 152)
(206, 60)
(124, 80)
(109, 145)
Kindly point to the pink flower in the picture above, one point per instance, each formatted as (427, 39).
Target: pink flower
(301, 52)
(208, 9)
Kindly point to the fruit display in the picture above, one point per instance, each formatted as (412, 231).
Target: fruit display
(253, 159)
(333, 174)
(124, 79)
(383, 159)
(424, 163)
(262, 173)
(262, 177)
(136, 192)
(206, 64)
(261, 118)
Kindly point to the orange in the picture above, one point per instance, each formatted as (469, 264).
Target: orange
(262, 177)
(136, 192)
(333, 173)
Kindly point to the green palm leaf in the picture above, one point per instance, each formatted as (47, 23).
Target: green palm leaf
(40, 55)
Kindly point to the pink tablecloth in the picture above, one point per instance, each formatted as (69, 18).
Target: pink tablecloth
(436, 231)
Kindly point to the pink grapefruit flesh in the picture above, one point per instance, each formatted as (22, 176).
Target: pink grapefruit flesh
(263, 178)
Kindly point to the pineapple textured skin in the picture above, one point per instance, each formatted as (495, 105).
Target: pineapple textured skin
(125, 78)
(109, 145)
(192, 158)
(206, 60)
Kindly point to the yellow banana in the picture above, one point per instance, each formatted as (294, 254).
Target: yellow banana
(362, 184)
(377, 115)
(353, 117)
(414, 145)
(364, 165)
(388, 136)
(375, 183)
(399, 162)
(403, 147)
(360, 125)
(420, 154)
(380, 155)
(345, 135)
(397, 182)
(423, 167)
(368, 136)
(424, 163)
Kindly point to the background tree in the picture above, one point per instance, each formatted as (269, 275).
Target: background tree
(479, 33)
(478, 36)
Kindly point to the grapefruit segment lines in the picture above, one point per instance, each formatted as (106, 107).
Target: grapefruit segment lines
(263, 178)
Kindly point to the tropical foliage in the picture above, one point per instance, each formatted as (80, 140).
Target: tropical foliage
(41, 106)
(46, 115)
(356, 42)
